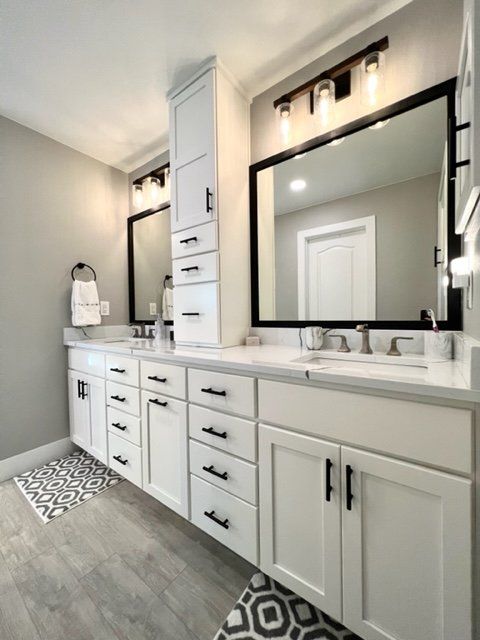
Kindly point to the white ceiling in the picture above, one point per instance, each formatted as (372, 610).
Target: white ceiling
(410, 145)
(93, 74)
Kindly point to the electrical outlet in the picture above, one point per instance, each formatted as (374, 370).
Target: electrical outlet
(104, 308)
(153, 308)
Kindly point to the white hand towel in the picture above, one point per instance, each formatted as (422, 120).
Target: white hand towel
(85, 304)
(167, 304)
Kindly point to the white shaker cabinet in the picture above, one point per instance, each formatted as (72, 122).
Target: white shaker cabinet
(87, 400)
(165, 450)
(406, 550)
(300, 541)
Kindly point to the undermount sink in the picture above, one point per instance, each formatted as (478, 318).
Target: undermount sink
(370, 366)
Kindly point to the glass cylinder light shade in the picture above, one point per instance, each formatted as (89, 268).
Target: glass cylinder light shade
(137, 196)
(325, 101)
(372, 76)
(284, 115)
(155, 191)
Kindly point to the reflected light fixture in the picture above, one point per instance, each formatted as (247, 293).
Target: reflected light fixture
(137, 194)
(380, 124)
(300, 155)
(462, 277)
(325, 101)
(372, 78)
(298, 185)
(284, 113)
(335, 143)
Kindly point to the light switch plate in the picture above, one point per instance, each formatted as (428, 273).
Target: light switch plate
(104, 308)
(153, 308)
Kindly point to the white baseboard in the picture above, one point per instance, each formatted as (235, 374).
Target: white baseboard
(34, 458)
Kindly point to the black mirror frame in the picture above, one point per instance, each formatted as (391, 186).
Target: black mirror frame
(454, 321)
(131, 265)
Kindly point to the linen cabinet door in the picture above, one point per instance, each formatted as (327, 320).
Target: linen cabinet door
(97, 411)
(192, 148)
(300, 543)
(406, 550)
(165, 445)
(78, 408)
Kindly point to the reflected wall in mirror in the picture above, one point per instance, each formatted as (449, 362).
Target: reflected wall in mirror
(150, 262)
(357, 229)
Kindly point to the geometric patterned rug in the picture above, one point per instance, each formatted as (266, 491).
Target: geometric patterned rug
(65, 483)
(268, 610)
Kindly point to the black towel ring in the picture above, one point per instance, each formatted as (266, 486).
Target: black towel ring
(82, 265)
(165, 281)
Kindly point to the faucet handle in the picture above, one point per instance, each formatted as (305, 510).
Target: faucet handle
(136, 331)
(343, 348)
(361, 328)
(394, 351)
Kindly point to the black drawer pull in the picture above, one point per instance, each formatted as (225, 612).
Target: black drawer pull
(189, 269)
(212, 432)
(213, 392)
(159, 402)
(117, 370)
(79, 392)
(211, 469)
(212, 516)
(157, 379)
(187, 240)
(328, 479)
(119, 459)
(190, 314)
(348, 475)
(208, 200)
(118, 398)
(119, 426)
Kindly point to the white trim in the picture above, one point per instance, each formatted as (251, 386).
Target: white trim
(34, 458)
(304, 236)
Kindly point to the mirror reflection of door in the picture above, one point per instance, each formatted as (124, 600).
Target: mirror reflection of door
(336, 271)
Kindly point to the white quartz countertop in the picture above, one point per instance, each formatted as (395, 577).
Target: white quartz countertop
(409, 374)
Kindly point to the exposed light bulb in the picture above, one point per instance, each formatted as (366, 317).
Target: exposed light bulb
(372, 78)
(298, 185)
(380, 124)
(325, 101)
(284, 113)
(137, 194)
(335, 143)
(300, 155)
(155, 190)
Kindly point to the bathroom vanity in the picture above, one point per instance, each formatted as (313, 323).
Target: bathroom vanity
(329, 481)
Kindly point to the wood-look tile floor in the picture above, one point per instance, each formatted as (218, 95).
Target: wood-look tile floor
(119, 567)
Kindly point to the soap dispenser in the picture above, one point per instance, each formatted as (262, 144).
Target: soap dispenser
(159, 331)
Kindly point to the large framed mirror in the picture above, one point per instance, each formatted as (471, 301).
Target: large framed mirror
(150, 265)
(357, 225)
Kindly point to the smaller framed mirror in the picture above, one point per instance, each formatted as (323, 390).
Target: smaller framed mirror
(150, 265)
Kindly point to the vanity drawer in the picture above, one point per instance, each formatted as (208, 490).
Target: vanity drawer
(222, 391)
(163, 378)
(92, 362)
(125, 458)
(124, 425)
(195, 240)
(124, 398)
(236, 476)
(203, 268)
(196, 312)
(242, 531)
(120, 369)
(436, 435)
(234, 435)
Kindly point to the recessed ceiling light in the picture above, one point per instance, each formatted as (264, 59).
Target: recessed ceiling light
(297, 185)
(300, 155)
(335, 143)
(380, 124)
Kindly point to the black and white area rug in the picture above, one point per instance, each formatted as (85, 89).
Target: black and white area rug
(266, 610)
(65, 483)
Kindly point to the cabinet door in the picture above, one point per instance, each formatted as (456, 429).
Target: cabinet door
(164, 442)
(97, 411)
(406, 551)
(79, 413)
(300, 541)
(192, 149)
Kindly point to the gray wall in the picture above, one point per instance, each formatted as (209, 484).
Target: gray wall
(406, 222)
(57, 207)
(424, 44)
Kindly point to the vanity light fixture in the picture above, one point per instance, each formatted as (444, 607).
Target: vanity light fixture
(334, 84)
(380, 124)
(300, 155)
(298, 185)
(137, 194)
(335, 143)
(152, 189)
(462, 278)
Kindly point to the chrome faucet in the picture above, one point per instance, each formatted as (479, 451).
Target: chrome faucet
(365, 331)
(139, 330)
